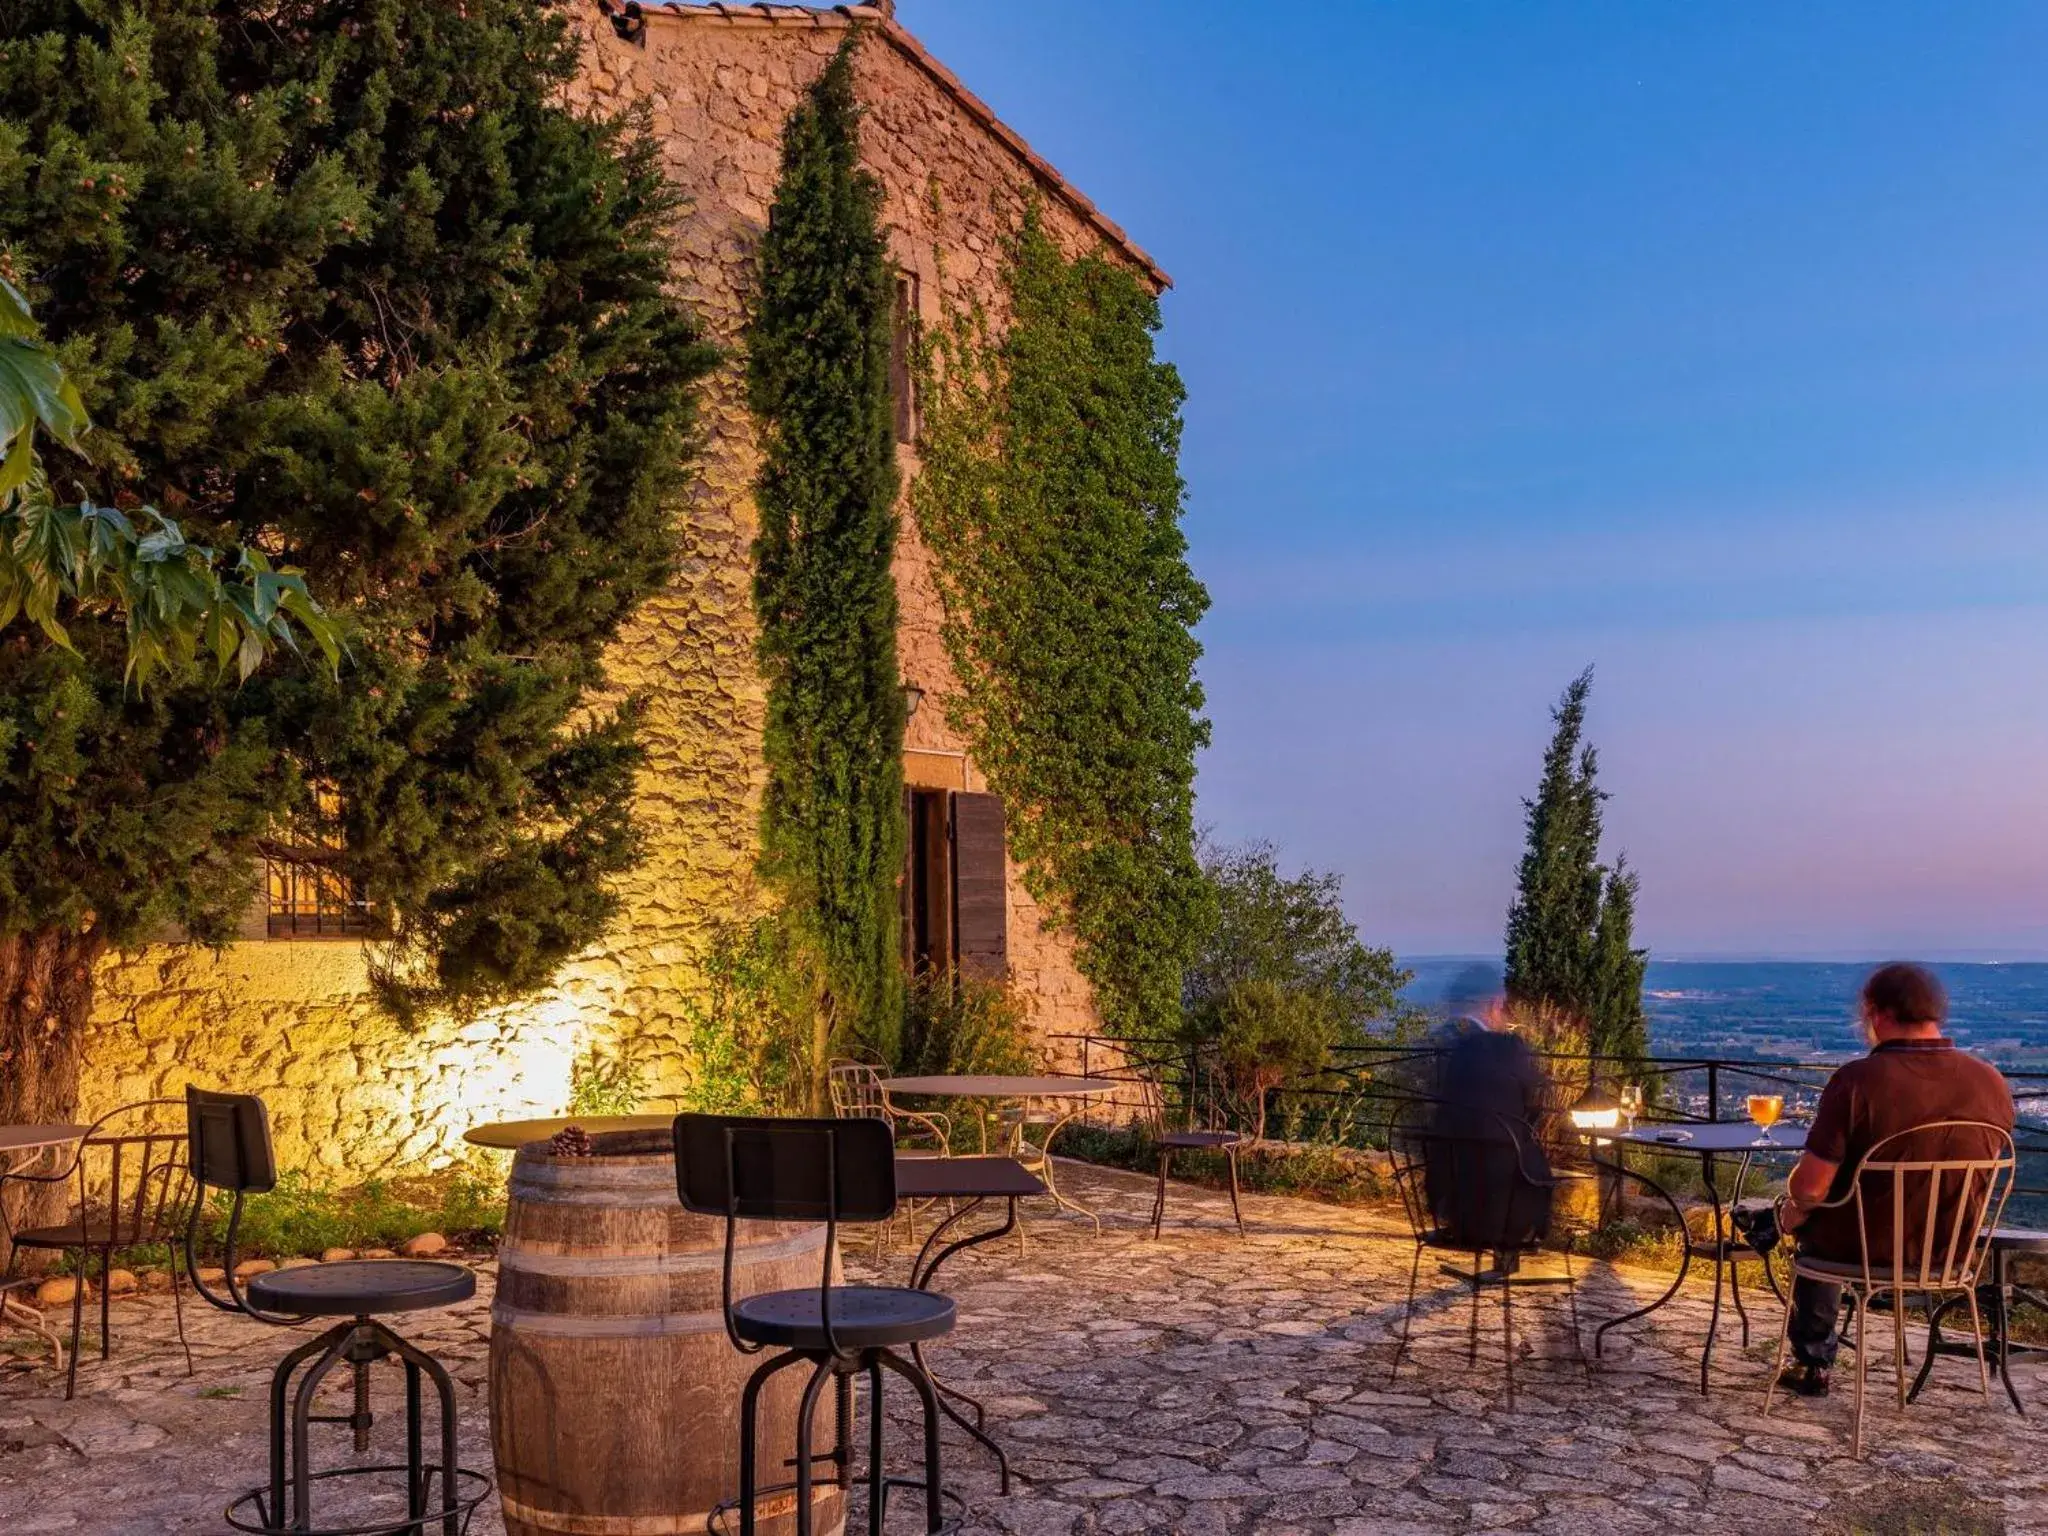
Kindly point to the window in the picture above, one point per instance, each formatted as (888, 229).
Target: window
(955, 915)
(306, 899)
(903, 357)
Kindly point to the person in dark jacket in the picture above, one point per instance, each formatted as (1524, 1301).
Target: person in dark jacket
(1484, 1170)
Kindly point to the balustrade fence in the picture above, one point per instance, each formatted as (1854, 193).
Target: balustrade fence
(1352, 1100)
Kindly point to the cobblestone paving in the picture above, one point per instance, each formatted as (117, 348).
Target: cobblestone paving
(1199, 1384)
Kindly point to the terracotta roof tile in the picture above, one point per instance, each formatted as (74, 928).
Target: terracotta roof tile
(764, 14)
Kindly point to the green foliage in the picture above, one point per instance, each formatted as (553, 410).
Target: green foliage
(751, 1039)
(1290, 931)
(301, 1218)
(967, 1025)
(818, 383)
(605, 1085)
(167, 590)
(1050, 495)
(349, 285)
(1572, 971)
(1268, 1035)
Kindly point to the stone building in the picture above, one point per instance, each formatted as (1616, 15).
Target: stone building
(286, 1011)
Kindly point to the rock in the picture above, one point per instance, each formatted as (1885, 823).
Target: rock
(59, 1292)
(336, 1255)
(122, 1282)
(212, 1274)
(298, 1264)
(250, 1267)
(376, 1253)
(425, 1246)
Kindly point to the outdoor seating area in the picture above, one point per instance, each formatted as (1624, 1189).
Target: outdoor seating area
(1297, 1377)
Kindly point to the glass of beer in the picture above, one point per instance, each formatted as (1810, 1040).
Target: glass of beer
(1766, 1109)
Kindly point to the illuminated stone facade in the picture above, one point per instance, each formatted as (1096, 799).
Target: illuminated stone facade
(352, 1094)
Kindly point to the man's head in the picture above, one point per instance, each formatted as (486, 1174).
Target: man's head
(1903, 1002)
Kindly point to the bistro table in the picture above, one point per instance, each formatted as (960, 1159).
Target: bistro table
(511, 1135)
(1738, 1139)
(975, 1180)
(1023, 1089)
(21, 1145)
(2007, 1243)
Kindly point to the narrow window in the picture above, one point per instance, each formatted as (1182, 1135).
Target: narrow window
(310, 899)
(903, 358)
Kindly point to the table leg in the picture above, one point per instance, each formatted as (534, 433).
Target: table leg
(1059, 1200)
(1684, 1262)
(922, 1273)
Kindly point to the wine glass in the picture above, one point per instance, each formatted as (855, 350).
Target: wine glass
(1766, 1109)
(1631, 1102)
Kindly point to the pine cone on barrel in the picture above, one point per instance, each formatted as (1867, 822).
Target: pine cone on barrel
(572, 1141)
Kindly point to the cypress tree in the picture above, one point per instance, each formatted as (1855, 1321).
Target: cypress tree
(1570, 954)
(346, 283)
(832, 831)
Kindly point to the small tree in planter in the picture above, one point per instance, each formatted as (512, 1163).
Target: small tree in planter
(348, 285)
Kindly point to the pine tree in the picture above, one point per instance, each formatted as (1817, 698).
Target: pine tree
(1571, 963)
(818, 377)
(1618, 1026)
(346, 283)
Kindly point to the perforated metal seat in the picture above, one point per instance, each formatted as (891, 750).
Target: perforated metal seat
(362, 1288)
(863, 1317)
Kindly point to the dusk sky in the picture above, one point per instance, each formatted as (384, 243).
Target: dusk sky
(1705, 344)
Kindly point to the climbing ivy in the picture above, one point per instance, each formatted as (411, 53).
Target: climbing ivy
(1050, 494)
(818, 384)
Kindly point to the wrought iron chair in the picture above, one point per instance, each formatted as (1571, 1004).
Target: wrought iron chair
(1189, 1136)
(859, 1090)
(745, 1168)
(228, 1135)
(1477, 1195)
(131, 1191)
(1943, 1213)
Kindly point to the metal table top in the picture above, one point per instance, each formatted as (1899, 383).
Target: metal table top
(1727, 1136)
(511, 1135)
(966, 1178)
(974, 1087)
(33, 1138)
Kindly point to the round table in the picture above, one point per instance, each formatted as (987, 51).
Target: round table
(26, 1143)
(1706, 1141)
(511, 1135)
(1022, 1089)
(1995, 1297)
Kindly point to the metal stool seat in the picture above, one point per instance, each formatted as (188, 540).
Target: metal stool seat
(863, 1317)
(1203, 1140)
(362, 1288)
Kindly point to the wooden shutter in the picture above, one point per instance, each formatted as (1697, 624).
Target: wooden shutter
(981, 925)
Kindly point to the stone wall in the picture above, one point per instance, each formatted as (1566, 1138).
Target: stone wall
(352, 1094)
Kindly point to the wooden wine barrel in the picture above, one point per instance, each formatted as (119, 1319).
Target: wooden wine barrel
(615, 1393)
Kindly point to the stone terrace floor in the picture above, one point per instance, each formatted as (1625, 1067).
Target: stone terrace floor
(1198, 1384)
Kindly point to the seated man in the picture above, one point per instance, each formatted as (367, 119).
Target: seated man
(1482, 1154)
(1912, 1076)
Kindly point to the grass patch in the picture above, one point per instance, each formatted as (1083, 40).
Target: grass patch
(220, 1392)
(1316, 1171)
(300, 1217)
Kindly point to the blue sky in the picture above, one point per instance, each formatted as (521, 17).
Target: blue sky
(1706, 344)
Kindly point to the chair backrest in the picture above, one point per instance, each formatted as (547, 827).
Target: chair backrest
(758, 1168)
(763, 1168)
(229, 1136)
(856, 1089)
(128, 1172)
(228, 1149)
(1939, 1209)
(1471, 1189)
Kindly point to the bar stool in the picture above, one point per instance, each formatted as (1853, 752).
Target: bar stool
(230, 1151)
(746, 1168)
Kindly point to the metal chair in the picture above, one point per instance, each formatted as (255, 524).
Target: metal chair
(131, 1186)
(230, 1152)
(1943, 1213)
(859, 1091)
(832, 1171)
(1476, 1195)
(1206, 1137)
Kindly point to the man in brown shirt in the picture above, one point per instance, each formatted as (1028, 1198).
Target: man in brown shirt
(1913, 1076)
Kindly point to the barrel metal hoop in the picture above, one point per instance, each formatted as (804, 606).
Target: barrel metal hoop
(518, 1259)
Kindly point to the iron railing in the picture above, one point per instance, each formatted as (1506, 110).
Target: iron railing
(1353, 1098)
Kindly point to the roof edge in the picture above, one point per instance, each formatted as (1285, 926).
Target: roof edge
(900, 38)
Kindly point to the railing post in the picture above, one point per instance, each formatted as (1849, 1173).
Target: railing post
(1714, 1092)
